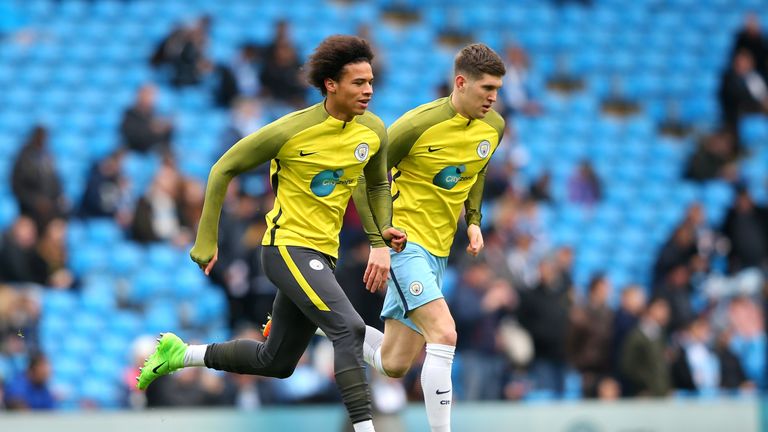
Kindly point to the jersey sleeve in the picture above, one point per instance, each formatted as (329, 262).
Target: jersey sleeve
(372, 197)
(399, 141)
(473, 205)
(246, 154)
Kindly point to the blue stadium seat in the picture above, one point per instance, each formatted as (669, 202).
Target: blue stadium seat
(149, 283)
(9, 211)
(100, 392)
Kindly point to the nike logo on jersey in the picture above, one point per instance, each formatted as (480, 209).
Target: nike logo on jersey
(301, 153)
(156, 368)
(434, 149)
(442, 392)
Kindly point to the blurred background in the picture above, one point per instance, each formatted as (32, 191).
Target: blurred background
(625, 215)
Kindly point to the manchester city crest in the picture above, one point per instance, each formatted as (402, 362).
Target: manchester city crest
(483, 149)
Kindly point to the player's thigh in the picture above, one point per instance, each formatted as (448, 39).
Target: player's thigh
(306, 277)
(400, 347)
(435, 322)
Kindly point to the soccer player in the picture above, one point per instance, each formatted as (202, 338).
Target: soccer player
(317, 155)
(438, 153)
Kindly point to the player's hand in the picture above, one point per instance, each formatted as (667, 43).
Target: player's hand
(475, 236)
(206, 267)
(377, 272)
(395, 238)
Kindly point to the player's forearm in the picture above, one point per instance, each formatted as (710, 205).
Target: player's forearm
(360, 197)
(208, 228)
(473, 205)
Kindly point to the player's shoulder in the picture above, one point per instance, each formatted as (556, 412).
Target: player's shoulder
(311, 114)
(373, 122)
(437, 110)
(292, 123)
(427, 115)
(495, 120)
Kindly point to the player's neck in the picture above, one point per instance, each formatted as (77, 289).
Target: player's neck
(458, 106)
(333, 110)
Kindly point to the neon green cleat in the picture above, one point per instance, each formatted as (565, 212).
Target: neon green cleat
(167, 358)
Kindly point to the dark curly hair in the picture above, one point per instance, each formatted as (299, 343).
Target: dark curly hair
(476, 59)
(330, 57)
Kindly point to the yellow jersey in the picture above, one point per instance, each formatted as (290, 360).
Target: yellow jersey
(438, 160)
(316, 161)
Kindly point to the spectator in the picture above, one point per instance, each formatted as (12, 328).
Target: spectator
(631, 306)
(245, 119)
(19, 321)
(750, 39)
(589, 336)
(678, 250)
(192, 387)
(479, 303)
(142, 130)
(280, 76)
(676, 289)
(239, 79)
(29, 390)
(106, 191)
(584, 185)
(183, 52)
(157, 212)
(643, 363)
(34, 181)
(516, 95)
(350, 276)
(540, 188)
(748, 340)
(714, 158)
(697, 366)
(21, 261)
(742, 91)
(191, 194)
(52, 248)
(732, 375)
(251, 391)
(746, 227)
(239, 271)
(280, 35)
(379, 60)
(544, 313)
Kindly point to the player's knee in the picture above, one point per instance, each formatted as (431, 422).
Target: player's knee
(443, 336)
(396, 370)
(355, 329)
(283, 372)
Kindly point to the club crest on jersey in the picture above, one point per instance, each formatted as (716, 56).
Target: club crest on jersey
(315, 264)
(449, 176)
(483, 149)
(416, 288)
(361, 152)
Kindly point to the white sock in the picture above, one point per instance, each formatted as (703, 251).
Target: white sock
(372, 348)
(365, 426)
(195, 355)
(437, 387)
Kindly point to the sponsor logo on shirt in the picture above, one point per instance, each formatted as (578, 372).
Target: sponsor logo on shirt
(325, 182)
(449, 176)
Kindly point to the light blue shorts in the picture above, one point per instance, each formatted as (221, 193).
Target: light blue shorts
(416, 278)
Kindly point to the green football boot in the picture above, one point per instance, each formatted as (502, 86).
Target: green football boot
(167, 358)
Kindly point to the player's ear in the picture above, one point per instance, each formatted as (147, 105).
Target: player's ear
(460, 82)
(330, 85)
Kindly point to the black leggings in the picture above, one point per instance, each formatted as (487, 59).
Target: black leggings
(308, 297)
